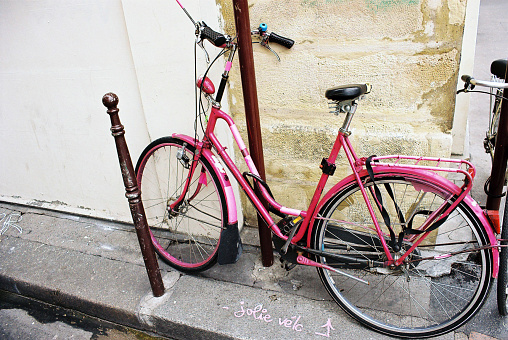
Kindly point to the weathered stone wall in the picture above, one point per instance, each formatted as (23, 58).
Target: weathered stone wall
(409, 50)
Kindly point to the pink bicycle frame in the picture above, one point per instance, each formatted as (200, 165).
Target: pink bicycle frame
(379, 164)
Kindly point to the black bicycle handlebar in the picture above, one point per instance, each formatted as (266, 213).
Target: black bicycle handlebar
(217, 39)
(283, 41)
(492, 84)
(466, 79)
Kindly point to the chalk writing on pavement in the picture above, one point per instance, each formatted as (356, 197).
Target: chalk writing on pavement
(10, 220)
(261, 314)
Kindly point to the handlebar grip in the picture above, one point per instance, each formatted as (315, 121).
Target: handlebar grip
(466, 79)
(286, 42)
(216, 38)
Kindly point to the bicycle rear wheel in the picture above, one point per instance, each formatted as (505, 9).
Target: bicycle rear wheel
(423, 298)
(187, 237)
(502, 278)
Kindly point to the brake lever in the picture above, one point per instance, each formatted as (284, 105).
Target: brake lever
(261, 33)
(467, 87)
(199, 42)
(264, 43)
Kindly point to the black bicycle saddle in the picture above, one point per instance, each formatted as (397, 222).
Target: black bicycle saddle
(498, 68)
(347, 92)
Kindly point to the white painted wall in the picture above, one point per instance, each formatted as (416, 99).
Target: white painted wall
(460, 130)
(57, 59)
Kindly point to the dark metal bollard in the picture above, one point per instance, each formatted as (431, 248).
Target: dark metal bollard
(500, 159)
(250, 97)
(110, 100)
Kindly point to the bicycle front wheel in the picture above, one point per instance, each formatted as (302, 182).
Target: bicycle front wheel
(446, 279)
(186, 236)
(502, 279)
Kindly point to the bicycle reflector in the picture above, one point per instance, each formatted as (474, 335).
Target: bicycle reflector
(493, 216)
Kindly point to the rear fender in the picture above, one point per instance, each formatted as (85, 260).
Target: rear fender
(438, 181)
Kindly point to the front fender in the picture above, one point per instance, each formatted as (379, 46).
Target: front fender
(221, 174)
(230, 246)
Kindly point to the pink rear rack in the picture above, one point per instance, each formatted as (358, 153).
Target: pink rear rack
(416, 163)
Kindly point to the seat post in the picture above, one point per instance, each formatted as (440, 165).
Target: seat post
(344, 99)
(350, 111)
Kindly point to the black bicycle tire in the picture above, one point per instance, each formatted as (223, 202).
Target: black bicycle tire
(502, 278)
(151, 148)
(474, 305)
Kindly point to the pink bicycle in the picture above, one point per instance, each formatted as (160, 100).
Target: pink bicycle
(401, 248)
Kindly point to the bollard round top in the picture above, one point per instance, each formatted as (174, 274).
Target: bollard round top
(110, 100)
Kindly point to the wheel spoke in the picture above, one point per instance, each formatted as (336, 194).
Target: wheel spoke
(427, 295)
(186, 235)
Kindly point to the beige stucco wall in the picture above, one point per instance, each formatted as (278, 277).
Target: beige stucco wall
(409, 50)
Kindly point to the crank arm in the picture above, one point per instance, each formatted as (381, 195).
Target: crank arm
(284, 248)
(307, 262)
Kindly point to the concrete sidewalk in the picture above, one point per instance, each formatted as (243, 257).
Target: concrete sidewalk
(95, 267)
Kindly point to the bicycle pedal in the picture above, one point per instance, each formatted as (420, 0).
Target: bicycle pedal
(289, 266)
(286, 264)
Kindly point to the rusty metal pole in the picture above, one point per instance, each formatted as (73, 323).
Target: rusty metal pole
(250, 98)
(110, 100)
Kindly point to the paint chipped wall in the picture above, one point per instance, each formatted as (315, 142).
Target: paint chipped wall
(409, 50)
